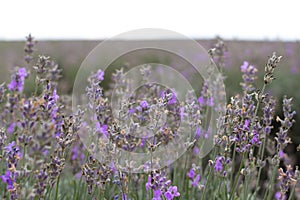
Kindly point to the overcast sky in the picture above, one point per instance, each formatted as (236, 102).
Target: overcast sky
(230, 19)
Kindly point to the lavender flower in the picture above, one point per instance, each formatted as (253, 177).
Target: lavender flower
(286, 179)
(282, 137)
(12, 154)
(158, 182)
(171, 193)
(55, 167)
(144, 104)
(3, 138)
(11, 184)
(194, 175)
(17, 80)
(268, 110)
(96, 174)
(30, 42)
(279, 196)
(270, 67)
(219, 165)
(169, 96)
(249, 77)
(100, 75)
(46, 70)
(40, 187)
(8, 180)
(191, 174)
(2, 92)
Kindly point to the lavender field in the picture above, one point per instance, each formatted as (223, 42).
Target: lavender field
(51, 149)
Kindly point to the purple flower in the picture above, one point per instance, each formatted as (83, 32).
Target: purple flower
(8, 180)
(131, 111)
(144, 104)
(255, 139)
(170, 95)
(218, 165)
(157, 195)
(74, 153)
(244, 66)
(22, 73)
(54, 95)
(279, 196)
(286, 179)
(197, 133)
(196, 181)
(17, 81)
(159, 184)
(9, 147)
(124, 196)
(12, 85)
(103, 129)
(100, 75)
(248, 77)
(201, 100)
(246, 124)
(11, 128)
(191, 173)
(281, 154)
(171, 193)
(196, 150)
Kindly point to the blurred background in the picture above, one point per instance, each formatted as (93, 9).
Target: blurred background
(68, 30)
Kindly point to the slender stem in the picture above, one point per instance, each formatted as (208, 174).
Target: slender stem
(77, 194)
(237, 177)
(271, 183)
(226, 190)
(233, 162)
(206, 184)
(143, 191)
(258, 103)
(75, 190)
(219, 187)
(260, 167)
(262, 147)
(292, 192)
(185, 182)
(246, 186)
(56, 192)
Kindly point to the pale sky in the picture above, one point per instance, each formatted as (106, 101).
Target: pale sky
(230, 19)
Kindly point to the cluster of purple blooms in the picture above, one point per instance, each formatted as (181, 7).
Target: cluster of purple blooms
(40, 145)
(17, 80)
(161, 186)
(195, 176)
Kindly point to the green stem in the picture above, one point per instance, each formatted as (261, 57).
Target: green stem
(185, 182)
(233, 162)
(206, 184)
(56, 192)
(77, 194)
(292, 192)
(186, 188)
(75, 189)
(271, 184)
(219, 187)
(261, 148)
(258, 103)
(246, 186)
(237, 177)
